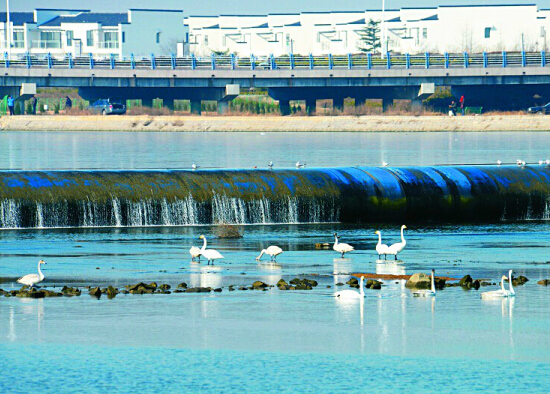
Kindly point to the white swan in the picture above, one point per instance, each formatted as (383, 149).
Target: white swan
(351, 294)
(195, 251)
(399, 246)
(427, 293)
(511, 292)
(210, 254)
(502, 293)
(381, 249)
(272, 250)
(32, 279)
(341, 248)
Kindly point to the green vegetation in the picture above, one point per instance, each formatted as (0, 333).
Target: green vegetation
(370, 41)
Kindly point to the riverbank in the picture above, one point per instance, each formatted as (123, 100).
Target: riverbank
(276, 123)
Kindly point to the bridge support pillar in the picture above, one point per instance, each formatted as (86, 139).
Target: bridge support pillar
(284, 107)
(416, 105)
(311, 106)
(195, 107)
(386, 104)
(338, 104)
(223, 107)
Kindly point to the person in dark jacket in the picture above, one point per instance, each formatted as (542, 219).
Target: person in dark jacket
(452, 108)
(11, 104)
(34, 101)
(68, 102)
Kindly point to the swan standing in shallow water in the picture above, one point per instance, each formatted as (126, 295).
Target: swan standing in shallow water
(195, 251)
(502, 293)
(427, 293)
(341, 247)
(272, 250)
(351, 294)
(32, 279)
(381, 249)
(398, 247)
(210, 254)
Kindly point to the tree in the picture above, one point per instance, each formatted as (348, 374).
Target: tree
(369, 37)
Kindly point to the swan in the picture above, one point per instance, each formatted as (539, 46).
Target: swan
(32, 279)
(398, 247)
(341, 248)
(427, 293)
(541, 162)
(496, 293)
(210, 254)
(351, 294)
(195, 251)
(511, 292)
(381, 249)
(272, 250)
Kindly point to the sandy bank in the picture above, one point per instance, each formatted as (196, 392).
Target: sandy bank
(275, 123)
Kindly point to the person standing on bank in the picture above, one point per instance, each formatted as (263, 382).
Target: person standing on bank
(34, 101)
(462, 105)
(11, 105)
(68, 103)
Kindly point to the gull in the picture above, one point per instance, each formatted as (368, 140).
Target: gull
(194, 166)
(300, 165)
(547, 162)
(384, 164)
(541, 162)
(270, 165)
(499, 162)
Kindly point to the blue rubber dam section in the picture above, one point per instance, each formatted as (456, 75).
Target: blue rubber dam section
(40, 199)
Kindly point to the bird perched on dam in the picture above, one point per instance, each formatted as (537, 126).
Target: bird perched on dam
(341, 247)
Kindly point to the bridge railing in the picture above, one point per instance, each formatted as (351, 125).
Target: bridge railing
(288, 62)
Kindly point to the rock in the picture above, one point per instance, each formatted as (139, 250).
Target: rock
(311, 282)
(179, 291)
(329, 286)
(353, 281)
(218, 290)
(373, 284)
(259, 285)
(111, 292)
(50, 293)
(242, 288)
(124, 292)
(198, 290)
(466, 281)
(95, 292)
(142, 288)
(323, 245)
(182, 285)
(419, 281)
(164, 287)
(439, 283)
(477, 284)
(70, 291)
(281, 282)
(231, 289)
(284, 287)
(544, 282)
(303, 286)
(519, 281)
(295, 281)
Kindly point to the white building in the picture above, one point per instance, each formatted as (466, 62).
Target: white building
(81, 32)
(412, 30)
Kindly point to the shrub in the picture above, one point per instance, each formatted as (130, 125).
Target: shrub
(229, 231)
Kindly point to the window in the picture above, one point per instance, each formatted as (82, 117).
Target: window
(487, 32)
(50, 39)
(18, 39)
(70, 37)
(90, 38)
(425, 32)
(123, 36)
(158, 37)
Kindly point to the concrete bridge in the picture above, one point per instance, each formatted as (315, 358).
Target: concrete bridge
(504, 81)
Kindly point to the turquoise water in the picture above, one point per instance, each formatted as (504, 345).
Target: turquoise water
(273, 340)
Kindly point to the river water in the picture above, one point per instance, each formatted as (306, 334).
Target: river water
(273, 340)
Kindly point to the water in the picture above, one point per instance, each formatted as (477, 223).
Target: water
(273, 340)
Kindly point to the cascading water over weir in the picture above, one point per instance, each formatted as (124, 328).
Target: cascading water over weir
(40, 199)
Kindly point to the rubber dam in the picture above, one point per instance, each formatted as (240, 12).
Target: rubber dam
(45, 199)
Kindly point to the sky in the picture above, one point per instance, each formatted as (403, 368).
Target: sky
(216, 7)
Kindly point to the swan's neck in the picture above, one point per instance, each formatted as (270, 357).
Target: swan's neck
(402, 237)
(40, 274)
(261, 254)
(379, 239)
(204, 244)
(361, 291)
(433, 281)
(510, 283)
(335, 240)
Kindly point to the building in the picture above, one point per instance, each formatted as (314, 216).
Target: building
(472, 28)
(81, 32)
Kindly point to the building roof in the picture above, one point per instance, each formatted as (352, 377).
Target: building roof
(431, 18)
(106, 19)
(18, 18)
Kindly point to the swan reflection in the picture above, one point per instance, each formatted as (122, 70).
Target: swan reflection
(272, 272)
(341, 270)
(211, 276)
(387, 267)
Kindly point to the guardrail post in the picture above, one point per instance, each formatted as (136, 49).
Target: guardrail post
(350, 62)
(369, 60)
(252, 62)
(153, 62)
(6, 60)
(213, 61)
(466, 60)
(232, 61)
(407, 61)
(310, 61)
(49, 58)
(193, 62)
(330, 62)
(112, 61)
(446, 60)
(485, 60)
(132, 61)
(173, 60)
(427, 60)
(91, 61)
(28, 59)
(504, 59)
(388, 63)
(292, 61)
(523, 59)
(272, 64)
(542, 58)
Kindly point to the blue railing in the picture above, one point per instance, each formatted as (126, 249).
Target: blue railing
(291, 62)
